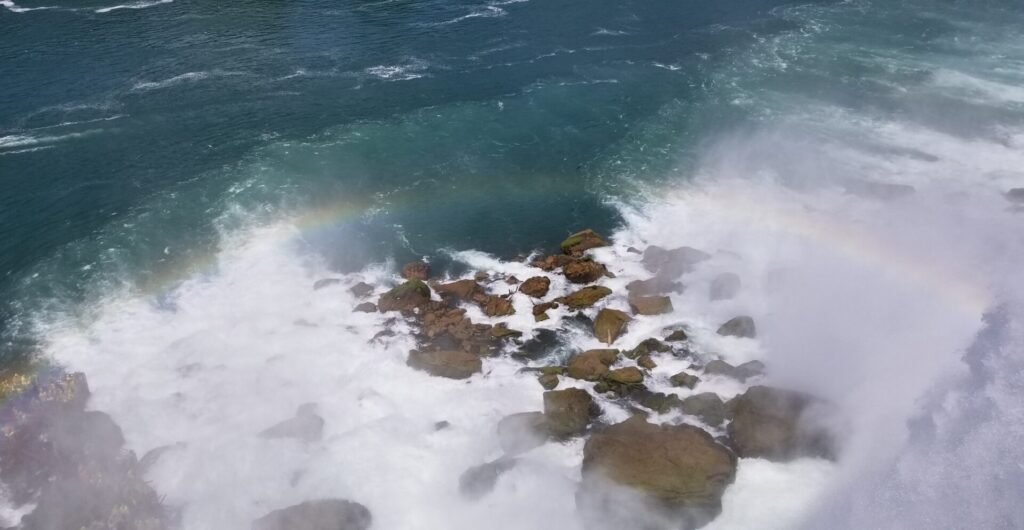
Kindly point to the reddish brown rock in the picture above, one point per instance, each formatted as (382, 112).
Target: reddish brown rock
(591, 365)
(650, 305)
(583, 271)
(609, 324)
(585, 297)
(452, 364)
(405, 297)
(536, 286)
(460, 290)
(416, 270)
(568, 412)
(582, 241)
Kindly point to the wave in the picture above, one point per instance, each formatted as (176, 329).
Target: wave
(26, 140)
(488, 11)
(188, 77)
(133, 5)
(15, 8)
(414, 69)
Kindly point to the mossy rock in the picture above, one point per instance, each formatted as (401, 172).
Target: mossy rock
(609, 324)
(582, 241)
(405, 297)
(585, 297)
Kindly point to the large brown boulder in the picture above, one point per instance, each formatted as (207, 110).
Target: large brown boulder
(416, 270)
(447, 328)
(650, 305)
(453, 364)
(494, 305)
(609, 324)
(536, 286)
(583, 271)
(460, 290)
(582, 241)
(678, 473)
(323, 514)
(404, 297)
(591, 365)
(568, 412)
(585, 297)
(778, 425)
(629, 375)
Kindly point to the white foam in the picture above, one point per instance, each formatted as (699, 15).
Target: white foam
(133, 5)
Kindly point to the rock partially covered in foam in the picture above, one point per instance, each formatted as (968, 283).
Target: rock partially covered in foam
(478, 481)
(725, 286)
(672, 263)
(583, 271)
(306, 425)
(582, 241)
(741, 326)
(568, 412)
(405, 297)
(609, 324)
(453, 364)
(591, 365)
(778, 425)
(323, 514)
(585, 297)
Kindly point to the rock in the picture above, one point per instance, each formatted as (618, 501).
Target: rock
(548, 381)
(567, 412)
(706, 406)
(725, 286)
(741, 326)
(633, 250)
(552, 262)
(609, 324)
(1015, 195)
(325, 282)
(447, 328)
(591, 365)
(676, 336)
(451, 364)
(630, 375)
(405, 297)
(684, 379)
(585, 297)
(777, 425)
(365, 307)
(441, 425)
(650, 305)
(481, 276)
(536, 286)
(656, 401)
(360, 290)
(582, 241)
(521, 432)
(478, 481)
(645, 362)
(495, 306)
(583, 271)
(540, 311)
(416, 270)
(654, 286)
(647, 347)
(512, 280)
(306, 426)
(679, 472)
(672, 263)
(501, 331)
(740, 373)
(324, 514)
(463, 290)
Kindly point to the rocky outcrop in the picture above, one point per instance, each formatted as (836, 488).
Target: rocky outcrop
(672, 263)
(725, 286)
(740, 373)
(678, 473)
(417, 270)
(585, 297)
(405, 297)
(447, 328)
(552, 262)
(778, 425)
(548, 381)
(591, 365)
(306, 426)
(540, 311)
(583, 271)
(453, 364)
(609, 324)
(323, 514)
(536, 286)
(568, 412)
(582, 241)
(461, 290)
(360, 290)
(495, 306)
(650, 305)
(741, 326)
(706, 406)
(629, 375)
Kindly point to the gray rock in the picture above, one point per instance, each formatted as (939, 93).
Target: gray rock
(518, 433)
(306, 426)
(725, 286)
(741, 326)
(324, 514)
(706, 406)
(478, 481)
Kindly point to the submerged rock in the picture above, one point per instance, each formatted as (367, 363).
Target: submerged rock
(650, 305)
(609, 324)
(740, 373)
(365, 307)
(405, 297)
(1015, 195)
(416, 270)
(654, 286)
(452, 364)
(360, 290)
(306, 426)
(518, 433)
(647, 347)
(677, 473)
(325, 282)
(656, 401)
(585, 297)
(725, 286)
(548, 381)
(324, 514)
(591, 365)
(777, 425)
(706, 406)
(568, 412)
(536, 286)
(741, 326)
(478, 481)
(582, 241)
(672, 263)
(583, 271)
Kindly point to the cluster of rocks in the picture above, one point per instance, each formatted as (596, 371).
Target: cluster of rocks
(678, 473)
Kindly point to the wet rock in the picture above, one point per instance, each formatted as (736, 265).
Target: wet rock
(676, 336)
(552, 262)
(462, 290)
(478, 481)
(544, 342)
(650, 305)
(741, 326)
(365, 307)
(654, 286)
(740, 373)
(725, 286)
(646, 362)
(657, 401)
(648, 347)
(633, 250)
(495, 306)
(548, 381)
(630, 375)
(416, 270)
(405, 297)
(324, 514)
(536, 286)
(512, 280)
(518, 433)
(1015, 195)
(583, 271)
(451, 364)
(325, 282)
(568, 412)
(481, 276)
(609, 324)
(706, 406)
(306, 426)
(677, 472)
(591, 365)
(683, 379)
(778, 425)
(501, 331)
(585, 297)
(441, 425)
(447, 328)
(672, 263)
(360, 290)
(582, 241)
(540, 311)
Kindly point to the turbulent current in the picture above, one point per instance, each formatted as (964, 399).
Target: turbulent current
(178, 175)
